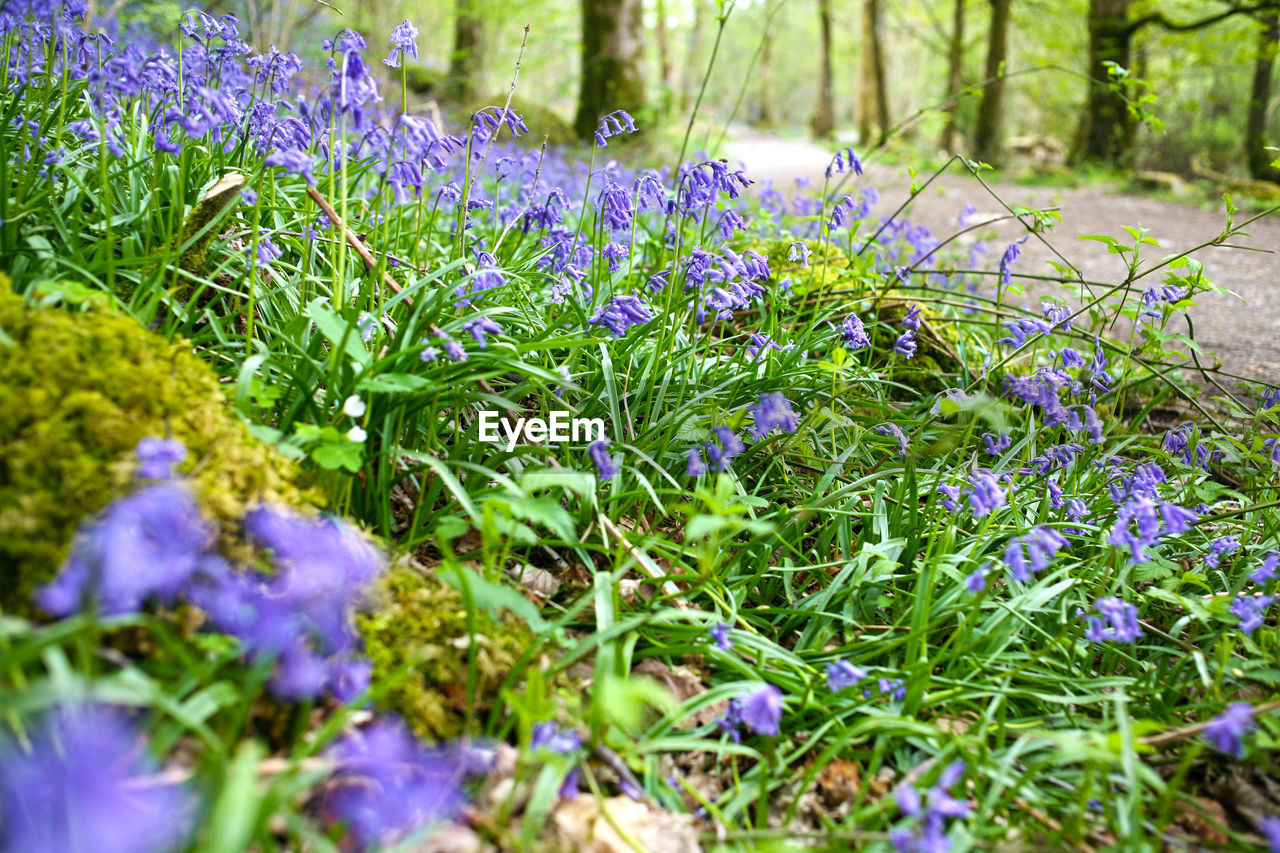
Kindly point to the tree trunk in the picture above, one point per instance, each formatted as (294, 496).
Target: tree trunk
(464, 64)
(612, 54)
(689, 79)
(955, 81)
(987, 140)
(1255, 135)
(664, 54)
(823, 123)
(765, 116)
(1106, 128)
(873, 108)
(882, 84)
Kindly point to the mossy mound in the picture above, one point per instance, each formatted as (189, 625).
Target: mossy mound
(416, 635)
(77, 393)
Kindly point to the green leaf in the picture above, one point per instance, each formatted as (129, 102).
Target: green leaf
(234, 817)
(337, 330)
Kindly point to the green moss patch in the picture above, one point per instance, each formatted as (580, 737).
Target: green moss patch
(77, 393)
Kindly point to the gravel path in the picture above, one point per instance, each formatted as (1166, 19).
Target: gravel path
(1245, 335)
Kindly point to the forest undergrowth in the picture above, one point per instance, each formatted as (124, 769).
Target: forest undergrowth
(873, 555)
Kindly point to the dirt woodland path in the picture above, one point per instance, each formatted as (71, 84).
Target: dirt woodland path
(1245, 335)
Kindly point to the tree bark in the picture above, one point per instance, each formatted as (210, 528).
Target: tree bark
(664, 54)
(1260, 159)
(987, 139)
(955, 77)
(612, 60)
(464, 63)
(765, 116)
(689, 79)
(1106, 129)
(823, 123)
(873, 108)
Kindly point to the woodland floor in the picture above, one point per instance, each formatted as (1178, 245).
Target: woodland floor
(1245, 335)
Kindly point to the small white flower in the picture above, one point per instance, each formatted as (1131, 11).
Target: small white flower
(353, 407)
(357, 435)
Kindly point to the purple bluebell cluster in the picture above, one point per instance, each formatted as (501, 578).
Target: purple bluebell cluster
(621, 314)
(853, 333)
(146, 546)
(386, 786)
(715, 456)
(615, 123)
(842, 674)
(1251, 610)
(760, 712)
(720, 634)
(844, 159)
(1028, 555)
(772, 412)
(155, 545)
(984, 492)
(927, 815)
(553, 737)
(1227, 730)
(607, 464)
(82, 786)
(1117, 622)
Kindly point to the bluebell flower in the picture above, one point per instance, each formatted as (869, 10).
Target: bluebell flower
(1227, 730)
(83, 787)
(606, 465)
(1266, 569)
(842, 674)
(893, 430)
(386, 786)
(912, 318)
(720, 456)
(479, 327)
(1118, 622)
(844, 159)
(906, 343)
(773, 412)
(1251, 610)
(762, 710)
(799, 251)
(621, 314)
(569, 787)
(616, 122)
(926, 831)
(984, 493)
(1218, 548)
(720, 634)
(696, 467)
(950, 496)
(1030, 554)
(404, 42)
(854, 333)
(552, 737)
(996, 444)
(268, 252)
(615, 206)
(157, 456)
(1270, 396)
(293, 162)
(976, 581)
(1270, 827)
(1008, 259)
(145, 545)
